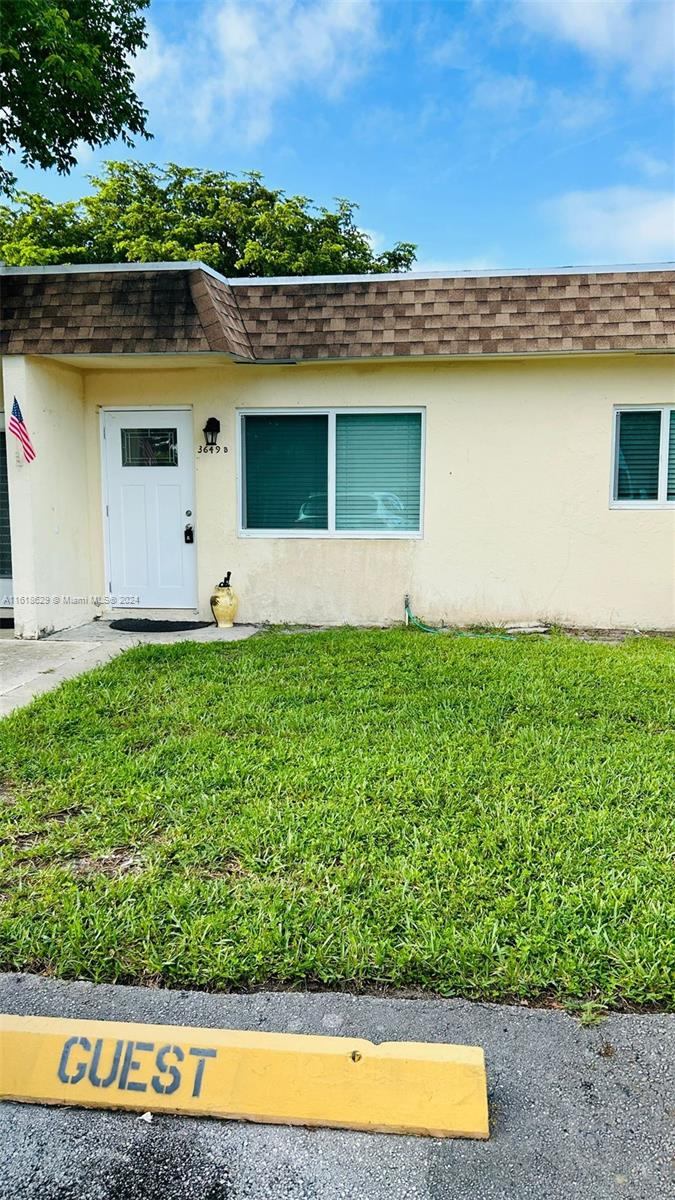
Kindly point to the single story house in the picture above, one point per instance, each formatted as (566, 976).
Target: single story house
(498, 445)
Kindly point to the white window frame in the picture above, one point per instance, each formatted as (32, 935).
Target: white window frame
(661, 500)
(331, 531)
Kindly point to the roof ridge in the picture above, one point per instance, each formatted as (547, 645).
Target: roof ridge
(233, 339)
(374, 277)
(209, 319)
(243, 323)
(488, 273)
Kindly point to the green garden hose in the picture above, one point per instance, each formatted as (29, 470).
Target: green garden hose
(411, 619)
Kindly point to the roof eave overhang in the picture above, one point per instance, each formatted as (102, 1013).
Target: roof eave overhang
(343, 360)
(523, 355)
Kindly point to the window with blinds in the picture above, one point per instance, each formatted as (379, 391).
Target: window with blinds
(644, 466)
(377, 471)
(670, 485)
(336, 473)
(286, 472)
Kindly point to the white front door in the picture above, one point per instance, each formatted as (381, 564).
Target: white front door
(150, 508)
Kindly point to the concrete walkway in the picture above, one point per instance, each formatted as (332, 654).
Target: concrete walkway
(576, 1114)
(27, 669)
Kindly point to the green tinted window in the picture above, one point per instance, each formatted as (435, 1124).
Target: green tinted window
(670, 486)
(377, 458)
(638, 455)
(286, 472)
(370, 485)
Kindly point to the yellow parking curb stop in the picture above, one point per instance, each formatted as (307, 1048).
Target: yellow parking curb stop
(296, 1079)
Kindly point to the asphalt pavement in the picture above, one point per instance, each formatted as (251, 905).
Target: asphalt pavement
(576, 1113)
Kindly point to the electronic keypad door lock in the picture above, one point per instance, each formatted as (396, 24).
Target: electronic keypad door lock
(189, 535)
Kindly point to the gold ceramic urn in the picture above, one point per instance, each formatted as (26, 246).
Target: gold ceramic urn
(224, 603)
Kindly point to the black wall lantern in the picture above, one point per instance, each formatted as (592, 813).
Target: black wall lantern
(211, 431)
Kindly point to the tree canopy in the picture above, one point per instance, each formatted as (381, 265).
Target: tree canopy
(140, 212)
(65, 77)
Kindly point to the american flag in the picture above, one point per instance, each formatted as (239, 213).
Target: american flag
(18, 428)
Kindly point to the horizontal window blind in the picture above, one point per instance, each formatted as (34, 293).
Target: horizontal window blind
(286, 465)
(378, 458)
(5, 541)
(638, 452)
(670, 486)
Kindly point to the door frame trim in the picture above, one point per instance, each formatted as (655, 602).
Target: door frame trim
(105, 495)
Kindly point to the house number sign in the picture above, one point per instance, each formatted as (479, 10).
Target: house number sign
(211, 449)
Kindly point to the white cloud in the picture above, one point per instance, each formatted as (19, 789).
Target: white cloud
(628, 224)
(638, 35)
(510, 95)
(84, 153)
(158, 61)
(592, 25)
(261, 51)
(453, 52)
(505, 93)
(270, 48)
(647, 164)
(377, 241)
(572, 112)
(243, 58)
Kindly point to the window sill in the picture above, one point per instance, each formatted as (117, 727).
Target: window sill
(641, 505)
(338, 536)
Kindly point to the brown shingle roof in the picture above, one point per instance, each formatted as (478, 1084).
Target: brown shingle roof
(100, 313)
(514, 314)
(219, 313)
(192, 310)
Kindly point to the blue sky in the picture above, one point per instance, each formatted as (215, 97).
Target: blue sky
(493, 133)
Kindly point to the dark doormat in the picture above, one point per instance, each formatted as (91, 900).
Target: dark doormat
(144, 625)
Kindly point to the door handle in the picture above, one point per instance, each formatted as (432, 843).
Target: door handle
(189, 535)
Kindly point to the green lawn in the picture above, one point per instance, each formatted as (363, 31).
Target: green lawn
(477, 817)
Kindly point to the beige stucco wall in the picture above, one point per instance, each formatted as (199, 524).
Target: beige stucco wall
(5, 590)
(517, 523)
(49, 498)
(517, 477)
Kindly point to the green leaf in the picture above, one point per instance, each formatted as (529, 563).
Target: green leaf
(142, 212)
